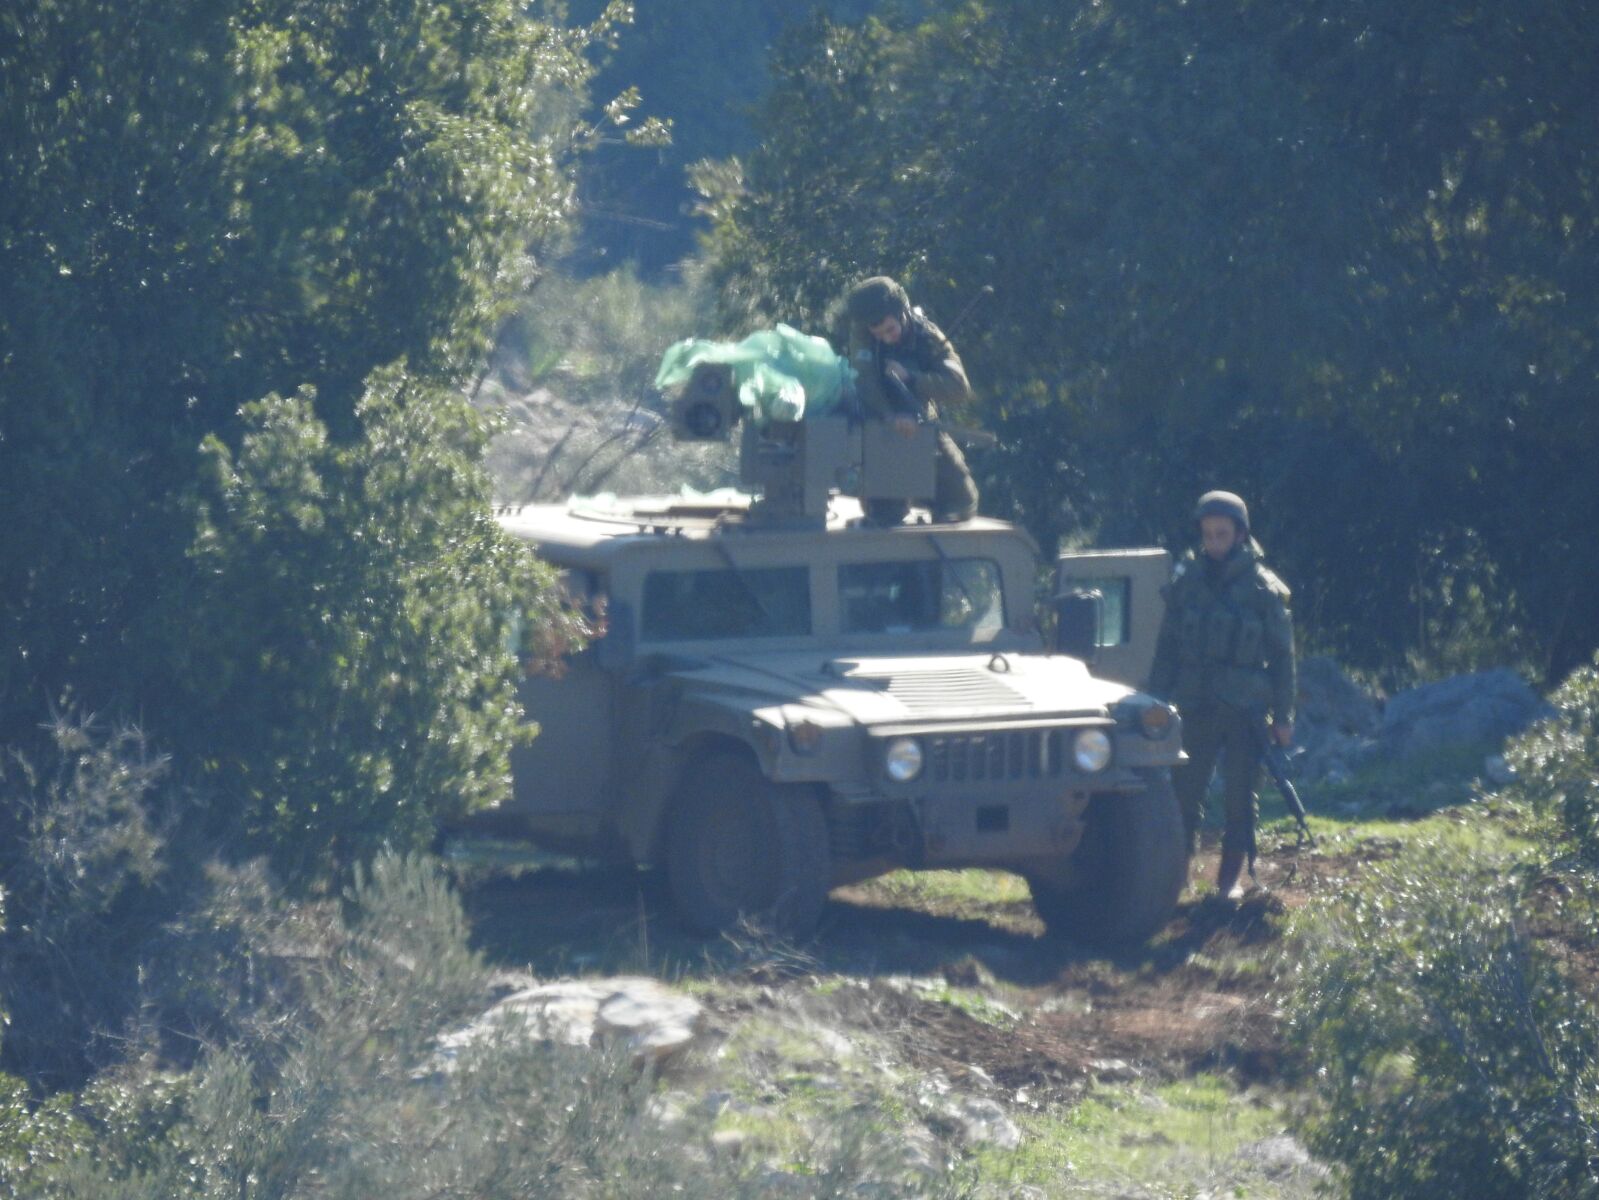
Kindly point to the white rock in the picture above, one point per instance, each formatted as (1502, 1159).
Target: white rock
(1114, 1070)
(984, 1122)
(1279, 1157)
(651, 1020)
(648, 1019)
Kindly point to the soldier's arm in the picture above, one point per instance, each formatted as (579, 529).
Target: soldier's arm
(869, 390)
(1281, 666)
(939, 377)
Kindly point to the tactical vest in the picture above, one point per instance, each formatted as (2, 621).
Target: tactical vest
(1223, 643)
(1223, 626)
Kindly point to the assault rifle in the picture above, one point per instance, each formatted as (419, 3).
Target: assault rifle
(1276, 760)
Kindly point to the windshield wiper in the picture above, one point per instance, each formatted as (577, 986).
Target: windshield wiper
(949, 570)
(747, 587)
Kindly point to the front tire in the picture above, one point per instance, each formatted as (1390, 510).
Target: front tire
(741, 847)
(1125, 875)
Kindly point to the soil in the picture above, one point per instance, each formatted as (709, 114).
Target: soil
(1199, 998)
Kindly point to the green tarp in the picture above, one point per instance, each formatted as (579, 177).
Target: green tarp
(781, 374)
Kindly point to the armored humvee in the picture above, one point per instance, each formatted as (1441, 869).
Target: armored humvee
(789, 698)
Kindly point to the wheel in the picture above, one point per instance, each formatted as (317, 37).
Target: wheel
(742, 847)
(1126, 874)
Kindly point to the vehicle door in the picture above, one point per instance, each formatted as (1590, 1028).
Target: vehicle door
(1129, 583)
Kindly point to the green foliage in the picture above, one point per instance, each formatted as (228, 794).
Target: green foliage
(1557, 764)
(33, 1139)
(1450, 1054)
(700, 66)
(598, 338)
(209, 204)
(350, 600)
(589, 350)
(1324, 256)
(80, 865)
(331, 1087)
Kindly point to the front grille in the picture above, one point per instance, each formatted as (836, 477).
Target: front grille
(976, 757)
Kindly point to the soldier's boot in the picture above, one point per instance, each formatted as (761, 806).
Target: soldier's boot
(1230, 876)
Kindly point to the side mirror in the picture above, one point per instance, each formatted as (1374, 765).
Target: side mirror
(1077, 618)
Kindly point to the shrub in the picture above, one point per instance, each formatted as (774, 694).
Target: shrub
(328, 1088)
(81, 858)
(329, 202)
(347, 635)
(1452, 1058)
(1557, 762)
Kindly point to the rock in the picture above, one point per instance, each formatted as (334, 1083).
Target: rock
(984, 1123)
(651, 1020)
(1279, 1157)
(729, 1143)
(645, 1017)
(713, 1104)
(1337, 721)
(837, 1047)
(1332, 703)
(1497, 771)
(1114, 1070)
(1480, 707)
(783, 1183)
(920, 1152)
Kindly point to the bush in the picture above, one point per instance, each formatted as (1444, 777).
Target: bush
(347, 635)
(1557, 762)
(329, 202)
(328, 1089)
(1451, 1056)
(81, 858)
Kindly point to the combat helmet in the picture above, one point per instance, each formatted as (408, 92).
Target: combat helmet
(1223, 504)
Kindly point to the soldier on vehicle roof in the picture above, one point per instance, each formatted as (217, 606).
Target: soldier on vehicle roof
(909, 368)
(1225, 657)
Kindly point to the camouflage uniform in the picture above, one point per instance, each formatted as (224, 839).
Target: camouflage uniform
(933, 376)
(1225, 657)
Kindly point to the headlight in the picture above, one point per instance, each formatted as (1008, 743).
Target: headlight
(804, 737)
(1091, 750)
(1155, 721)
(902, 759)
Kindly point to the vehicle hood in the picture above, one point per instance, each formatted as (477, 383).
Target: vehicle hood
(905, 689)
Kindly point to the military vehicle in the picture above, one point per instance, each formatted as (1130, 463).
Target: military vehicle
(788, 698)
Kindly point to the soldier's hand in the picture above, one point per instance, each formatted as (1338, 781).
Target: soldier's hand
(1283, 734)
(898, 370)
(904, 426)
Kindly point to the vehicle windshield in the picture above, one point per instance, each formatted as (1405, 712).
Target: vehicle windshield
(921, 595)
(681, 606)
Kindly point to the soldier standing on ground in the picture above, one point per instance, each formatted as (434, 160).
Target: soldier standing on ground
(912, 369)
(1225, 657)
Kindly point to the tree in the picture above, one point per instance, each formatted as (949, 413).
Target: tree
(1316, 253)
(327, 205)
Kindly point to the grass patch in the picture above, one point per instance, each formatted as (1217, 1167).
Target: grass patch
(972, 892)
(1412, 787)
(1487, 836)
(1182, 1139)
(975, 1004)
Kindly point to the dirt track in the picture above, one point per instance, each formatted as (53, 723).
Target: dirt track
(1198, 999)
